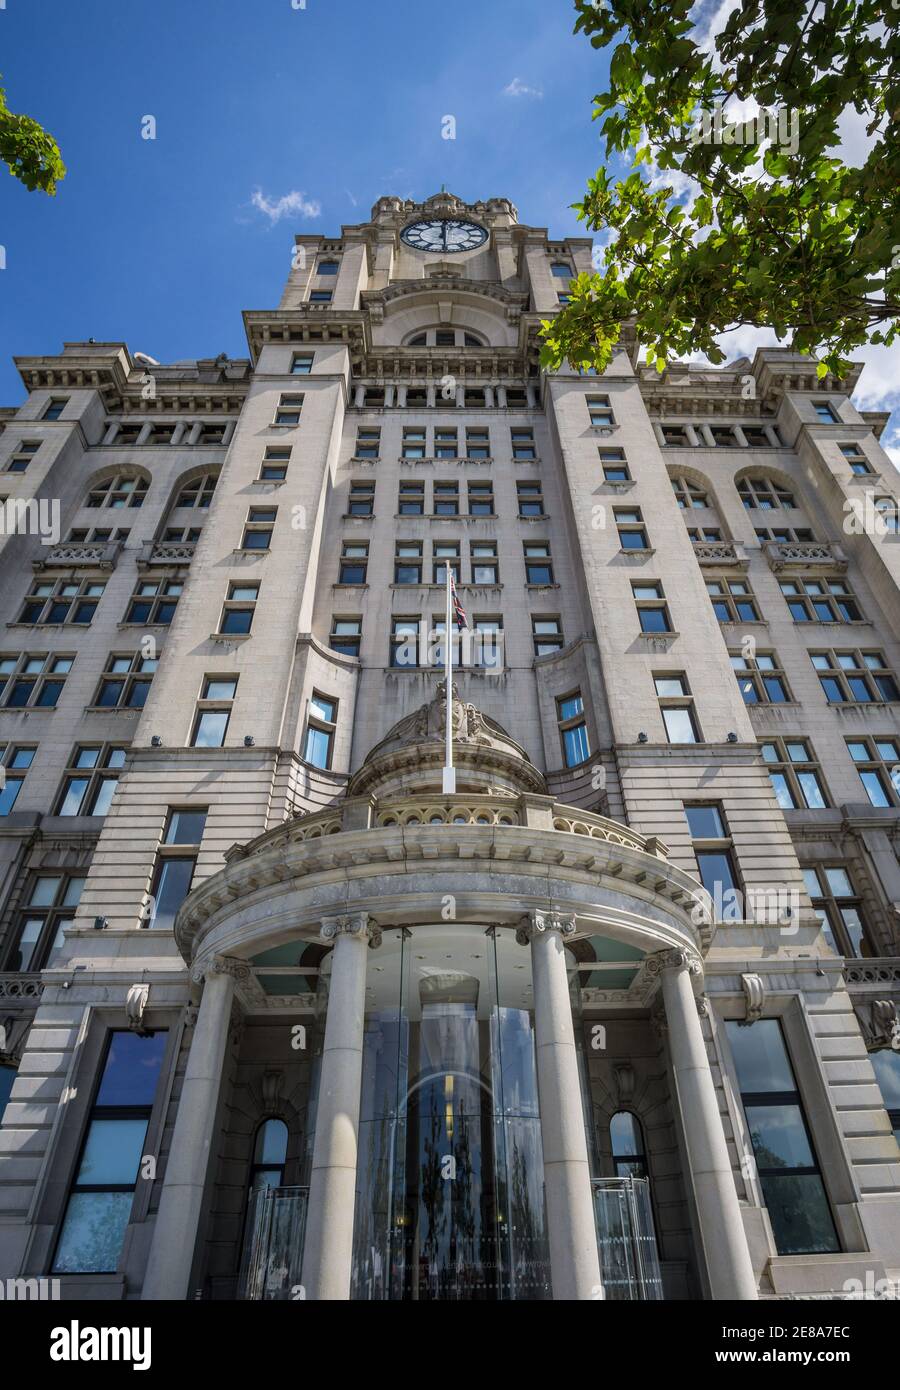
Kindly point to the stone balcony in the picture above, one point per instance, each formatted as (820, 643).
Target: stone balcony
(805, 555)
(718, 553)
(165, 553)
(95, 555)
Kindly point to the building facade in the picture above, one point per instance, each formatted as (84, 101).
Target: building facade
(282, 1019)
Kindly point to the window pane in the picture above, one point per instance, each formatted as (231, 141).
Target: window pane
(92, 1233)
(132, 1069)
(839, 883)
(812, 792)
(104, 796)
(679, 727)
(317, 745)
(800, 1215)
(7, 1077)
(779, 1136)
(783, 793)
(760, 1056)
(186, 828)
(887, 1074)
(625, 1135)
(705, 822)
(211, 727)
(271, 1143)
(576, 745)
(112, 1153)
(172, 888)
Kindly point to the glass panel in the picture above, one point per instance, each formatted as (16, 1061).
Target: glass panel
(92, 1233)
(271, 1143)
(800, 1215)
(779, 1136)
(112, 1153)
(679, 726)
(887, 1074)
(186, 828)
(760, 1056)
(7, 1077)
(625, 1135)
(132, 1069)
(705, 822)
(172, 888)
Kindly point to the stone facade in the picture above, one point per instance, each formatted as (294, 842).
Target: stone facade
(762, 502)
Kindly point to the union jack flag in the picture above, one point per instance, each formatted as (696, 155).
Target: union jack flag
(459, 612)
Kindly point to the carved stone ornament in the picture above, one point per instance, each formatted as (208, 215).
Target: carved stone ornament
(220, 965)
(882, 1028)
(354, 924)
(135, 1006)
(754, 988)
(538, 923)
(623, 1073)
(676, 958)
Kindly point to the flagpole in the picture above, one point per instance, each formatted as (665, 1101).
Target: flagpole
(449, 770)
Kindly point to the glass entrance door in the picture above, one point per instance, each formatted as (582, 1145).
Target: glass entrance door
(450, 1202)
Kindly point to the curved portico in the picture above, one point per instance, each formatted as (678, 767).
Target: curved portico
(556, 892)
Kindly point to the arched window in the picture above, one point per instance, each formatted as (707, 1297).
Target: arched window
(269, 1155)
(764, 494)
(628, 1148)
(198, 492)
(121, 491)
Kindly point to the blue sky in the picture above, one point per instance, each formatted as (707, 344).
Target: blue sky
(159, 243)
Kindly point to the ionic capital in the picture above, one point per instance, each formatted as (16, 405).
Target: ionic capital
(536, 924)
(208, 966)
(675, 958)
(356, 924)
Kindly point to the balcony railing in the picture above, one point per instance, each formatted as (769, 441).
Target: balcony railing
(273, 1249)
(629, 1262)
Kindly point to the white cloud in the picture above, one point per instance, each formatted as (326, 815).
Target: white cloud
(518, 88)
(291, 204)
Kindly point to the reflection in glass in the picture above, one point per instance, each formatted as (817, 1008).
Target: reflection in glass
(450, 1199)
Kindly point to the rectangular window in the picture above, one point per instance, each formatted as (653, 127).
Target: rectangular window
(415, 444)
(733, 601)
(547, 635)
(14, 763)
(22, 455)
(478, 444)
(368, 443)
(37, 681)
(327, 267)
(600, 411)
(55, 407)
(615, 468)
(653, 612)
(354, 562)
(839, 909)
(318, 745)
(302, 363)
(125, 683)
(90, 779)
(50, 900)
(102, 1194)
(238, 609)
(713, 850)
(213, 711)
(795, 774)
(760, 679)
(483, 556)
(887, 1074)
(761, 494)
(677, 708)
(288, 411)
(274, 466)
(786, 1161)
(573, 729)
(411, 499)
(258, 528)
(172, 881)
(824, 413)
(855, 677)
(408, 562)
(630, 526)
(531, 499)
(538, 563)
(446, 444)
(362, 499)
(445, 555)
(62, 602)
(481, 499)
(346, 635)
(878, 764)
(404, 653)
(522, 443)
(857, 460)
(821, 601)
(320, 297)
(446, 499)
(154, 601)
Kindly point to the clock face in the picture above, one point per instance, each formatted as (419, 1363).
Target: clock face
(444, 234)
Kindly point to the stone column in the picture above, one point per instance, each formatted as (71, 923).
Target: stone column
(574, 1260)
(178, 1219)
(709, 438)
(328, 1251)
(722, 1231)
